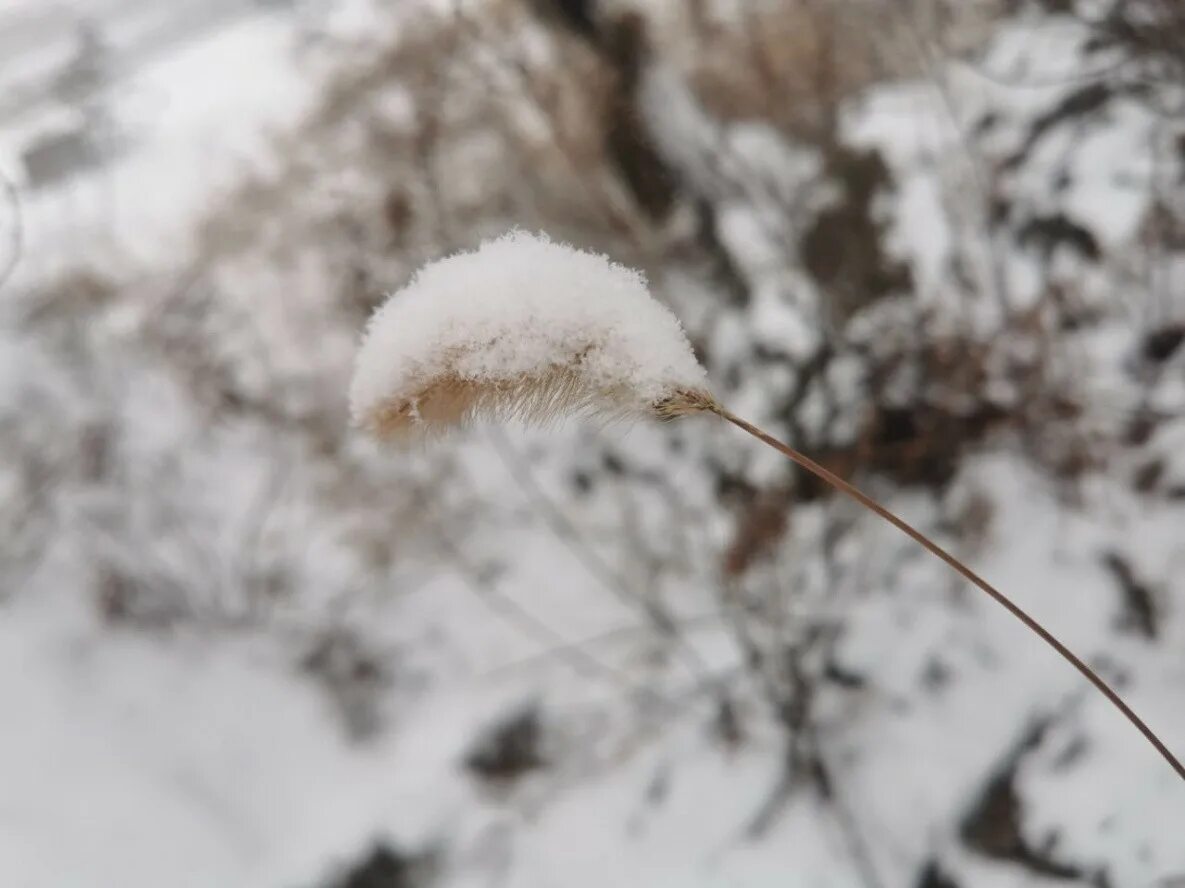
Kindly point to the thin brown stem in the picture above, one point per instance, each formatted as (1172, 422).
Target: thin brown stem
(921, 539)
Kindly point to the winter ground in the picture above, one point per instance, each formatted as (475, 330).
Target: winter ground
(162, 727)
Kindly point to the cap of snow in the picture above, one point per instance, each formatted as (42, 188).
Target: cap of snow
(521, 326)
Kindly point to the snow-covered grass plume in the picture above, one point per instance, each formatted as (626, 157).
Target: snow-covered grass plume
(522, 326)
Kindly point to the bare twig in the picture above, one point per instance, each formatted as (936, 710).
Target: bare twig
(17, 234)
(506, 608)
(574, 540)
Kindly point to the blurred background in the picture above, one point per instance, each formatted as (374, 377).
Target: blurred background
(937, 244)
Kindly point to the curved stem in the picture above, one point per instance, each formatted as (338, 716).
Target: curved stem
(917, 536)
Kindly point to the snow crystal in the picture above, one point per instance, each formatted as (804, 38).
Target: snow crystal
(522, 325)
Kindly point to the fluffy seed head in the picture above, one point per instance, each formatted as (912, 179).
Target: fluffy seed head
(521, 327)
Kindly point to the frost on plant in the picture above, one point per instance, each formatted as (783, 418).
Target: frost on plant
(524, 327)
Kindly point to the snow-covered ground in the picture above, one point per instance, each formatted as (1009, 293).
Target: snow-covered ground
(197, 760)
(240, 646)
(184, 125)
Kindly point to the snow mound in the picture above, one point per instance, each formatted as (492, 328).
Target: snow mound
(521, 327)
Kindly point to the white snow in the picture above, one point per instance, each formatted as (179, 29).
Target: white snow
(190, 124)
(524, 306)
(193, 754)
